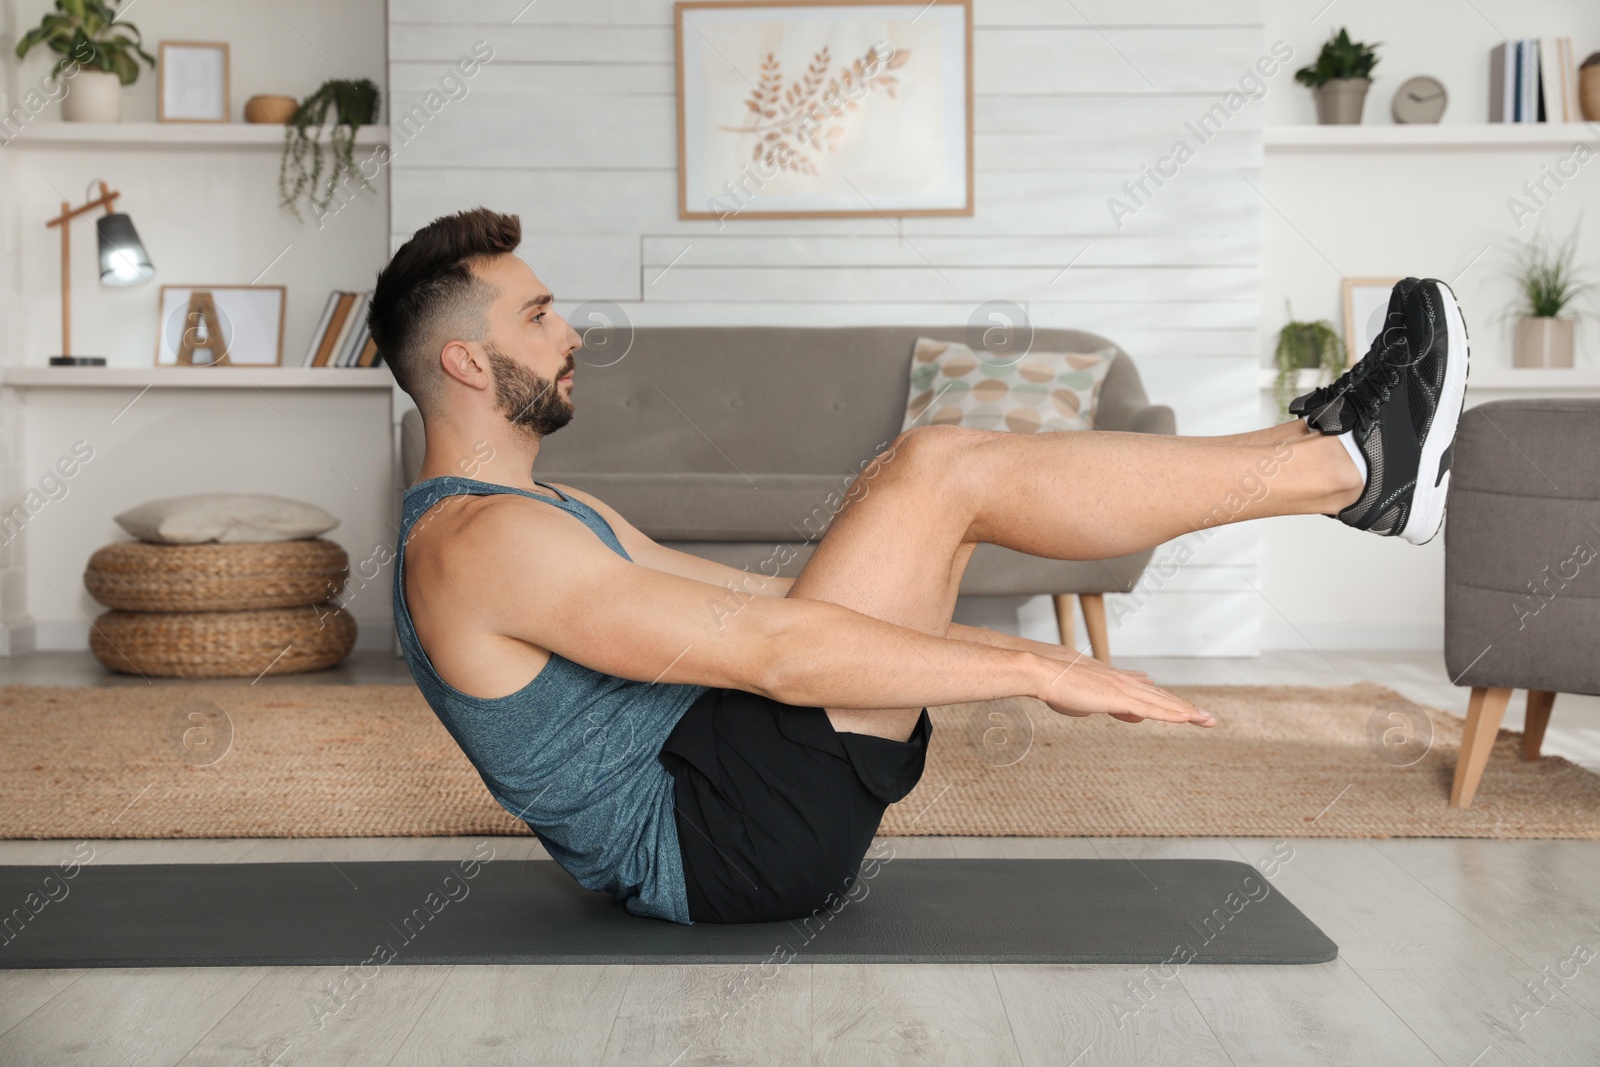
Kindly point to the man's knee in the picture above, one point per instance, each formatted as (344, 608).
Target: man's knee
(932, 452)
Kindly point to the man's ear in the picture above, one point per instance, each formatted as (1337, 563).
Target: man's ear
(458, 361)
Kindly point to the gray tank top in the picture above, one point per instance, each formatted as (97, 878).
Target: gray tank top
(574, 753)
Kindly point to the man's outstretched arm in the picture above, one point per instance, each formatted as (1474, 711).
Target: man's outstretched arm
(740, 583)
(570, 594)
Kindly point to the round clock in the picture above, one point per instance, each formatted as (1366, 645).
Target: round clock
(1420, 99)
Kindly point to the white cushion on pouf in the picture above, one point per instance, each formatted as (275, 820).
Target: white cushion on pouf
(225, 517)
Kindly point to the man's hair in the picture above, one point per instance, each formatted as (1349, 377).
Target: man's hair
(428, 291)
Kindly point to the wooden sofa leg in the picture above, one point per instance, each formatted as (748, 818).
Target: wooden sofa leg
(1484, 712)
(1094, 620)
(1540, 703)
(1064, 617)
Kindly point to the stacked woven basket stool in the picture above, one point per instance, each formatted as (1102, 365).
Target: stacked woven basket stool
(243, 608)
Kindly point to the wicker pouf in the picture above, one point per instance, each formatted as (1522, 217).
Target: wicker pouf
(223, 644)
(135, 576)
(220, 610)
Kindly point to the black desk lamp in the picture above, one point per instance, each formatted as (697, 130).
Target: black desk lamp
(123, 259)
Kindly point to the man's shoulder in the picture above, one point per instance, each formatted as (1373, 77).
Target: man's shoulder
(466, 524)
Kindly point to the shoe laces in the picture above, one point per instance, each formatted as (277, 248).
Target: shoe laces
(1370, 382)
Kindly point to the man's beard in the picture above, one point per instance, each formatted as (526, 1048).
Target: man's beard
(527, 400)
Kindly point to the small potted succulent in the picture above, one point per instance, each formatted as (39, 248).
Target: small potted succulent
(1305, 346)
(1340, 78)
(99, 54)
(1549, 287)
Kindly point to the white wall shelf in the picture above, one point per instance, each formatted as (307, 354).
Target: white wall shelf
(198, 377)
(1496, 135)
(1546, 380)
(169, 135)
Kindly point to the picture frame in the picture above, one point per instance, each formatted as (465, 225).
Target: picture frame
(248, 317)
(1366, 301)
(799, 109)
(193, 82)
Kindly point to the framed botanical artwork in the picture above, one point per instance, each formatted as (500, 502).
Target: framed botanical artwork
(1366, 303)
(221, 325)
(193, 82)
(795, 109)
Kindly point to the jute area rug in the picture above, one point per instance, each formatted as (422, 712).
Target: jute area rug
(356, 761)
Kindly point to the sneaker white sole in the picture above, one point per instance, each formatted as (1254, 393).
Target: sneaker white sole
(1432, 488)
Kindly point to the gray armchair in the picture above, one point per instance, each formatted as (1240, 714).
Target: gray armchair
(1522, 568)
(728, 442)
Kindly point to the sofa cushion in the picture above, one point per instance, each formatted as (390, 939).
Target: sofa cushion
(1038, 391)
(717, 507)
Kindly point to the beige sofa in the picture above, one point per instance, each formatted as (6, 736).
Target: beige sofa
(728, 442)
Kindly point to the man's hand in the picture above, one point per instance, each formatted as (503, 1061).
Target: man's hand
(1120, 694)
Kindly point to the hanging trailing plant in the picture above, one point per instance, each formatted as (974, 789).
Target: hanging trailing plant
(304, 171)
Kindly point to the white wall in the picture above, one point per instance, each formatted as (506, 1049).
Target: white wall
(572, 125)
(207, 216)
(1448, 39)
(1443, 214)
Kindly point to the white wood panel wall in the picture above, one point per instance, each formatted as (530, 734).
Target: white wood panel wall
(572, 124)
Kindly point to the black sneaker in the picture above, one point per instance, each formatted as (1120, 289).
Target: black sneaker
(1401, 403)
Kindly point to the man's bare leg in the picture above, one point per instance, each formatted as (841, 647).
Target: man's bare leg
(899, 546)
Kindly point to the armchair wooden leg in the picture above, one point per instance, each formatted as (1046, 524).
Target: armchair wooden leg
(1094, 620)
(1484, 712)
(1063, 603)
(1540, 704)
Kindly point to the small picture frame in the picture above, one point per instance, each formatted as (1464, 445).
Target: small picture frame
(193, 77)
(221, 325)
(1366, 302)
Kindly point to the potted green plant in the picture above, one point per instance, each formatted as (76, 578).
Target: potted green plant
(303, 171)
(98, 53)
(1549, 286)
(1340, 78)
(1305, 346)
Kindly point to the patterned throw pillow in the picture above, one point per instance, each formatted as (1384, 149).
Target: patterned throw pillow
(1040, 391)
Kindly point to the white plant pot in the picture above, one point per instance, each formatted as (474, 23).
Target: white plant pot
(93, 96)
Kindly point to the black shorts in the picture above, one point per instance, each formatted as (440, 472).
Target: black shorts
(775, 808)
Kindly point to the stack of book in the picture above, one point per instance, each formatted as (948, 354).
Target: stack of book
(1534, 80)
(341, 338)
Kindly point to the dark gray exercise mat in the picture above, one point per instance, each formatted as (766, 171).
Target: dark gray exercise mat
(906, 911)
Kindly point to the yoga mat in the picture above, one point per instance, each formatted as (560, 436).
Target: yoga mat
(898, 911)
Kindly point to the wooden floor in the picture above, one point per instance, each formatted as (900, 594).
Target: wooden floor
(1465, 953)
